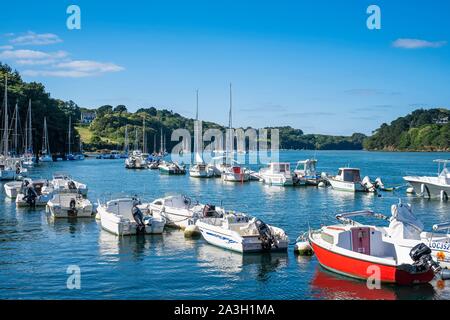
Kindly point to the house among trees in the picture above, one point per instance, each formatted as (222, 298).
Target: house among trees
(88, 117)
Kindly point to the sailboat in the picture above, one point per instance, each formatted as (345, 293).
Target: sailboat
(233, 171)
(136, 160)
(199, 169)
(10, 168)
(28, 158)
(45, 153)
(69, 155)
(126, 145)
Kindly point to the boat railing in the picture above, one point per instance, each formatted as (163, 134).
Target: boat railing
(441, 226)
(345, 217)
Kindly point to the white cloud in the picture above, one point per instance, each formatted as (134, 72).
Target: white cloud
(417, 43)
(76, 69)
(39, 62)
(31, 54)
(7, 47)
(32, 38)
(90, 66)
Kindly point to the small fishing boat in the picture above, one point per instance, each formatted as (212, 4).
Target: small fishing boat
(277, 173)
(128, 216)
(235, 173)
(69, 205)
(306, 172)
(178, 210)
(63, 183)
(13, 188)
(241, 233)
(11, 169)
(432, 187)
(171, 168)
(33, 194)
(201, 170)
(136, 161)
(347, 179)
(359, 251)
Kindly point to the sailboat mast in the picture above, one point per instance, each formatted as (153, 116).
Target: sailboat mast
(70, 131)
(144, 144)
(154, 143)
(125, 147)
(5, 133)
(16, 123)
(161, 144)
(30, 133)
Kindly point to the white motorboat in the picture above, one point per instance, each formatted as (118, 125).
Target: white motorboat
(13, 188)
(69, 205)
(358, 250)
(179, 210)
(236, 173)
(219, 165)
(171, 168)
(11, 169)
(136, 161)
(201, 171)
(347, 179)
(63, 183)
(432, 187)
(306, 172)
(239, 232)
(277, 173)
(127, 216)
(36, 193)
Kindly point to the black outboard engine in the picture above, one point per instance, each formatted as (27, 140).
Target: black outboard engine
(139, 218)
(421, 255)
(31, 196)
(71, 185)
(72, 212)
(265, 235)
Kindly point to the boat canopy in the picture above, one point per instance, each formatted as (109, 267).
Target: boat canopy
(280, 166)
(404, 224)
(307, 167)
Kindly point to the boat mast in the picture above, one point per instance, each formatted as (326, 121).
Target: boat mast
(161, 144)
(45, 144)
(5, 133)
(126, 143)
(154, 143)
(144, 143)
(30, 130)
(70, 131)
(230, 124)
(136, 144)
(16, 123)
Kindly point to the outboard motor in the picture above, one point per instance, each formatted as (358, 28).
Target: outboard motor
(138, 217)
(421, 255)
(379, 183)
(31, 196)
(368, 184)
(72, 212)
(265, 235)
(71, 185)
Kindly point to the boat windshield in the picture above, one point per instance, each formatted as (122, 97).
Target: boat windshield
(280, 167)
(351, 176)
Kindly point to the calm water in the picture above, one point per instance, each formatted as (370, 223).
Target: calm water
(36, 251)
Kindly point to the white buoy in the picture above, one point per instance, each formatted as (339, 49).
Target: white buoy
(303, 248)
(321, 184)
(191, 231)
(410, 190)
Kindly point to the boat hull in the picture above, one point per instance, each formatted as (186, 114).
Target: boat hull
(125, 227)
(277, 180)
(12, 189)
(249, 244)
(346, 186)
(429, 188)
(364, 269)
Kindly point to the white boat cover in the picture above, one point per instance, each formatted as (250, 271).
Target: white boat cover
(404, 224)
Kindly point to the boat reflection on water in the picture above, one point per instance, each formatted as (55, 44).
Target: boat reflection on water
(331, 286)
(129, 248)
(228, 263)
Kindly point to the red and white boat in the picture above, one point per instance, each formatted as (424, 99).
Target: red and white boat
(366, 251)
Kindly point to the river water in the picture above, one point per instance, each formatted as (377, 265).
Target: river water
(35, 251)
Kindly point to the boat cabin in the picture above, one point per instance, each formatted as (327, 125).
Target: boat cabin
(349, 175)
(306, 168)
(444, 174)
(279, 167)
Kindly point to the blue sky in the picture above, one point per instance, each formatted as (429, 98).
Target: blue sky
(313, 65)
